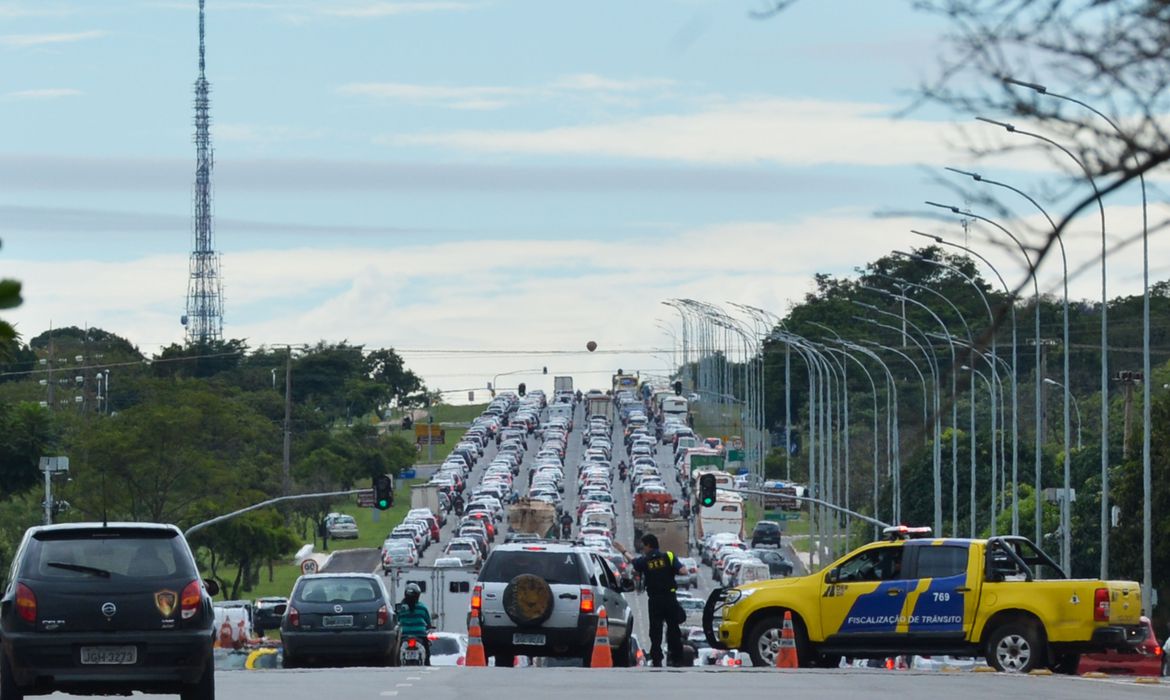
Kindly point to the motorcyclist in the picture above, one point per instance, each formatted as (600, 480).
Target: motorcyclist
(457, 505)
(566, 526)
(622, 470)
(414, 619)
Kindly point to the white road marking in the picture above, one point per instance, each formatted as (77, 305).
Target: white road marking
(414, 678)
(388, 693)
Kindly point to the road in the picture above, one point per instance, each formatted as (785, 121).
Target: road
(588, 684)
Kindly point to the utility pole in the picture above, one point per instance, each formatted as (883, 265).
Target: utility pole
(1128, 379)
(286, 481)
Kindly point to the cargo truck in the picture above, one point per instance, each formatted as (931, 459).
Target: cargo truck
(534, 517)
(562, 384)
(654, 514)
(600, 406)
(425, 496)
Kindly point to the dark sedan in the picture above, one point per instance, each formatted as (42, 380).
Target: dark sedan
(778, 565)
(336, 618)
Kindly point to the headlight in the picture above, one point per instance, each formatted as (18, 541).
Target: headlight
(733, 596)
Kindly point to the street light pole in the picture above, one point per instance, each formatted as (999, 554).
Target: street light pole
(1055, 383)
(1065, 518)
(1147, 488)
(1105, 521)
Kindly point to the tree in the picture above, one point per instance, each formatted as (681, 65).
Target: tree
(246, 542)
(199, 360)
(26, 433)
(176, 457)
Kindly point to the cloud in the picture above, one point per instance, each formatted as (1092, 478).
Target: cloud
(263, 133)
(60, 174)
(41, 94)
(389, 9)
(41, 8)
(24, 41)
(792, 132)
(466, 295)
(471, 97)
(487, 97)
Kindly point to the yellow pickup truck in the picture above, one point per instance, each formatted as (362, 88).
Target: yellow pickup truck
(1001, 598)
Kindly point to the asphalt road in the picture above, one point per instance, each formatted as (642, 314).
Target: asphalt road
(589, 684)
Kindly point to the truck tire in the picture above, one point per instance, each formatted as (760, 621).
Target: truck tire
(1016, 647)
(763, 640)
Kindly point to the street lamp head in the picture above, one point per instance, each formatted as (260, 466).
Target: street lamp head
(1053, 382)
(966, 368)
(974, 176)
(953, 208)
(1005, 125)
(1031, 86)
(936, 239)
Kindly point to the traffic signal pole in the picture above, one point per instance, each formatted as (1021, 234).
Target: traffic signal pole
(263, 504)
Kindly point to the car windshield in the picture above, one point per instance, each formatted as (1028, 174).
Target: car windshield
(553, 567)
(337, 590)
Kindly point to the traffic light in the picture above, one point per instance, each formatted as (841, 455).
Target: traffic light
(707, 490)
(383, 492)
(678, 388)
(523, 388)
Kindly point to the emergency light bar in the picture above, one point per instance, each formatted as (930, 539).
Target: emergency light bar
(905, 532)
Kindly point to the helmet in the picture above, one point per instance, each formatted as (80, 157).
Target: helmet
(412, 592)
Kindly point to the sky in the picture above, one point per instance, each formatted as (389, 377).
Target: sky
(485, 185)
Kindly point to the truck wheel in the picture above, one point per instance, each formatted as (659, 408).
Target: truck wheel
(1016, 647)
(763, 642)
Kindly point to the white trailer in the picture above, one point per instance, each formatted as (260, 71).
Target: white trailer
(446, 591)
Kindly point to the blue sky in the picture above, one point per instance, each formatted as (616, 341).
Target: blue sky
(453, 174)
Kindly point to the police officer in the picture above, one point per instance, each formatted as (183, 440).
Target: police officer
(658, 570)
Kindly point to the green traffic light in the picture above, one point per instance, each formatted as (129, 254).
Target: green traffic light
(383, 504)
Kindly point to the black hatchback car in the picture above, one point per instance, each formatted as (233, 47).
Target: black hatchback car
(339, 618)
(97, 608)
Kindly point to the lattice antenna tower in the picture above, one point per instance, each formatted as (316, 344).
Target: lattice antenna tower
(204, 317)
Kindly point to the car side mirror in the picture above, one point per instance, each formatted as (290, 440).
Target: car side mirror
(280, 609)
(211, 586)
(833, 576)
(627, 585)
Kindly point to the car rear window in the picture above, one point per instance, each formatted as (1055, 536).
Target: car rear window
(553, 567)
(445, 646)
(88, 553)
(338, 590)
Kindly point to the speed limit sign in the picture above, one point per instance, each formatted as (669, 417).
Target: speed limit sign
(309, 566)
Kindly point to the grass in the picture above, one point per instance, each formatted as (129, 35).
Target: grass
(457, 414)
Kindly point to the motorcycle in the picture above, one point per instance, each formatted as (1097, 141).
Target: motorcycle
(459, 508)
(566, 531)
(412, 652)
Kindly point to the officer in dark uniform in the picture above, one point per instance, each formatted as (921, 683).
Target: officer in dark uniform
(658, 570)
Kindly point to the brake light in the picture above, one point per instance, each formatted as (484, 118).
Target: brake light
(477, 600)
(26, 603)
(294, 616)
(586, 600)
(383, 615)
(191, 599)
(1101, 605)
(412, 643)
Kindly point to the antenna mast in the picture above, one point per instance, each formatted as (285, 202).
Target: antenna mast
(204, 317)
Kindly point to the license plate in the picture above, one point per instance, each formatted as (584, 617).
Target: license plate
(415, 655)
(337, 621)
(528, 639)
(109, 655)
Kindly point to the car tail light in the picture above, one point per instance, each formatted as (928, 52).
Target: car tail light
(477, 600)
(412, 643)
(294, 616)
(460, 661)
(26, 603)
(191, 599)
(383, 615)
(1101, 605)
(586, 600)
(432, 637)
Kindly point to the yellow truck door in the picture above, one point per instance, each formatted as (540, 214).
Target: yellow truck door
(865, 594)
(947, 591)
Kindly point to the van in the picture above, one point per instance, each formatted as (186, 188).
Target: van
(751, 571)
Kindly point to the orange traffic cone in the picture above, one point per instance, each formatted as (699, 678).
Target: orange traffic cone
(602, 655)
(475, 655)
(786, 654)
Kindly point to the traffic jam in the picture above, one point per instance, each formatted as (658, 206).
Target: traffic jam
(591, 529)
(518, 537)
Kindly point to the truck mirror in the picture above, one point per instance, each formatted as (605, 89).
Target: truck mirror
(627, 585)
(833, 576)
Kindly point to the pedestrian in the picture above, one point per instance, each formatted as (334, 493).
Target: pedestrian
(658, 569)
